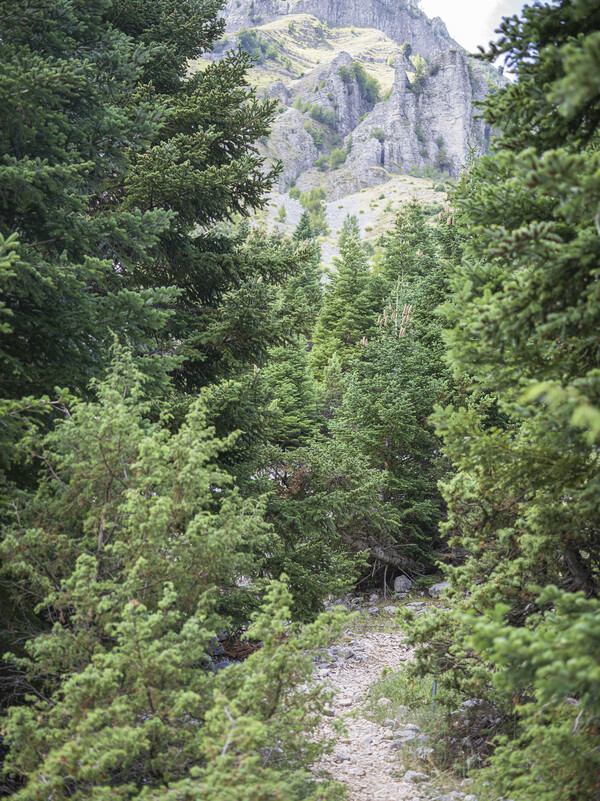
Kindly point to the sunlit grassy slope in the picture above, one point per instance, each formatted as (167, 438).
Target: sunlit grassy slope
(302, 43)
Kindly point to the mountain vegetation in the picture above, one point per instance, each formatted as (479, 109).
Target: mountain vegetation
(206, 435)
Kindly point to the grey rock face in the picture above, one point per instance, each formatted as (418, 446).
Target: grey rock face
(279, 91)
(430, 125)
(291, 143)
(402, 584)
(423, 124)
(325, 88)
(437, 589)
(401, 20)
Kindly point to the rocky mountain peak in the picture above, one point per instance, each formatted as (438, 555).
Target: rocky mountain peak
(401, 20)
(367, 89)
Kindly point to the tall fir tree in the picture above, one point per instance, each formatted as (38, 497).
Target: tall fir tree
(289, 381)
(523, 506)
(116, 164)
(349, 308)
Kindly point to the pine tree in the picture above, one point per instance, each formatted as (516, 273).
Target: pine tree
(304, 291)
(349, 308)
(414, 274)
(304, 230)
(384, 415)
(132, 546)
(116, 165)
(64, 148)
(290, 383)
(523, 505)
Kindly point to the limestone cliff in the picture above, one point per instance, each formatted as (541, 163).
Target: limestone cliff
(356, 102)
(430, 122)
(401, 20)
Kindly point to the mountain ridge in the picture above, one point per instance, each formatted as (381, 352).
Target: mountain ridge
(401, 20)
(366, 91)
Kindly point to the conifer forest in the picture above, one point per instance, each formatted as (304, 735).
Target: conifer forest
(237, 447)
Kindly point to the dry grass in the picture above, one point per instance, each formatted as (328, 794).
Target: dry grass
(306, 50)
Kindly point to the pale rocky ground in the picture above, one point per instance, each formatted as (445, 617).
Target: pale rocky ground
(373, 760)
(365, 760)
(375, 214)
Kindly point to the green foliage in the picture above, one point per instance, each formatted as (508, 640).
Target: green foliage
(312, 201)
(337, 157)
(326, 116)
(522, 505)
(143, 172)
(125, 545)
(256, 45)
(368, 86)
(378, 134)
(290, 383)
(420, 75)
(345, 74)
(420, 133)
(349, 308)
(316, 134)
(322, 163)
(419, 64)
(384, 416)
(325, 504)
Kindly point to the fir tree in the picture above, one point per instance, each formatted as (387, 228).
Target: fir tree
(523, 505)
(304, 291)
(385, 414)
(132, 546)
(116, 164)
(289, 381)
(349, 307)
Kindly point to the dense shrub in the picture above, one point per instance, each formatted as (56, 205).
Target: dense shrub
(337, 157)
(256, 45)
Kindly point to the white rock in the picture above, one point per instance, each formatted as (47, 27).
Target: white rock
(424, 753)
(437, 589)
(415, 777)
(403, 736)
(390, 610)
(402, 584)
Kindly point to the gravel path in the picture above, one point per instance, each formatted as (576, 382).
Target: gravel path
(365, 760)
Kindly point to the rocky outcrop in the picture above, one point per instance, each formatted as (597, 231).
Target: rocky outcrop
(401, 20)
(325, 89)
(426, 123)
(290, 142)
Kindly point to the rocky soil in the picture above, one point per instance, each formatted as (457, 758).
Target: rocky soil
(369, 758)
(375, 209)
